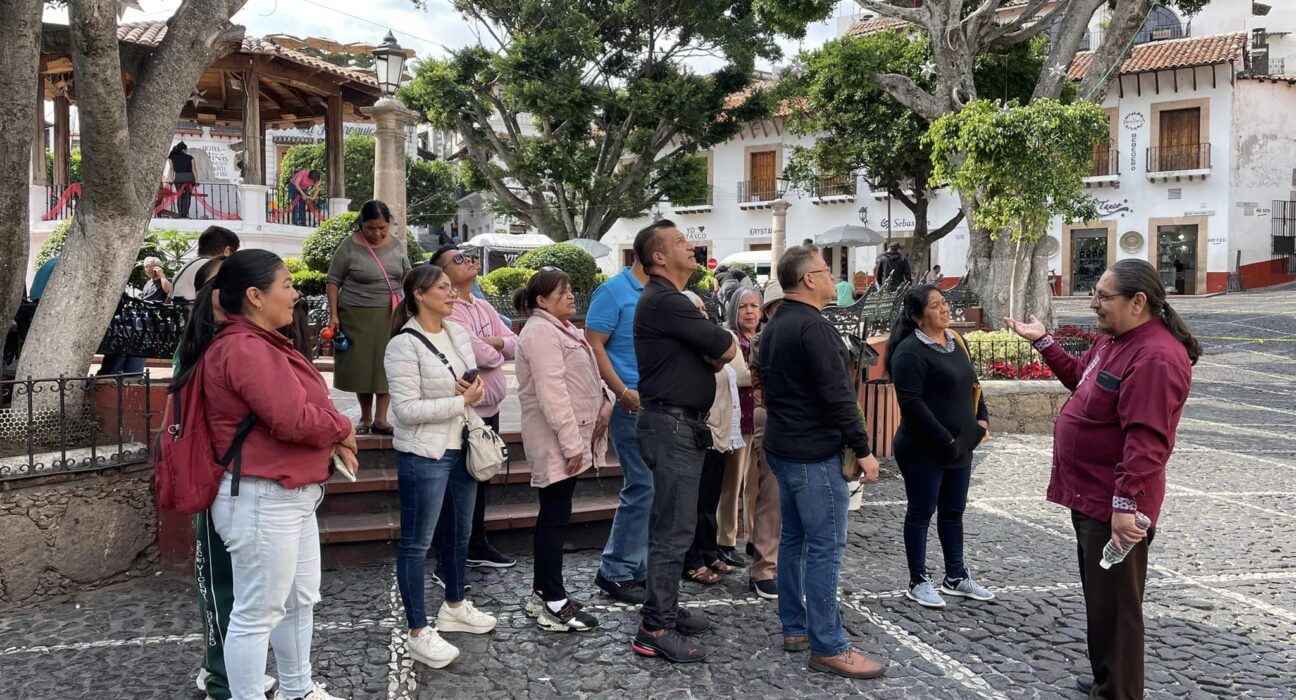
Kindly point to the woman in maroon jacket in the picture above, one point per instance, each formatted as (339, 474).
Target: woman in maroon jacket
(267, 516)
(1110, 448)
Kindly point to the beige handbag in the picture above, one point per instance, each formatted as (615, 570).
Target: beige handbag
(486, 450)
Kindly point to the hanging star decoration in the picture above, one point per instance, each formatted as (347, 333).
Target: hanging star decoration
(927, 69)
(123, 5)
(197, 97)
(1057, 71)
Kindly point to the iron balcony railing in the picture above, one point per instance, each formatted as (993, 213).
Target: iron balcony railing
(203, 201)
(1193, 156)
(843, 186)
(705, 199)
(1161, 31)
(761, 190)
(287, 206)
(1106, 163)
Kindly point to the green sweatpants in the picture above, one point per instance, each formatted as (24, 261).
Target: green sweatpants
(215, 577)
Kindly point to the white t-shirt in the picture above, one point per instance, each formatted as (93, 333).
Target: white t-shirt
(443, 343)
(182, 287)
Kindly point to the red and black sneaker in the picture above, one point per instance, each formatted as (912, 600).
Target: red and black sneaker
(667, 644)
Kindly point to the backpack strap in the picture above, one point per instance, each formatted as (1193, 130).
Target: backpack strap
(235, 452)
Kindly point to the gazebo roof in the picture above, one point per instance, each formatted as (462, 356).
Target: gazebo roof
(294, 87)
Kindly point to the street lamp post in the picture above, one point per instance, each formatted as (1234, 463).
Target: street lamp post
(391, 118)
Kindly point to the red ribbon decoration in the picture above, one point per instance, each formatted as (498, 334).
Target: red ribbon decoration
(72, 189)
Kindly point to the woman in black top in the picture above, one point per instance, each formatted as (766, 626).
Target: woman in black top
(942, 419)
(182, 169)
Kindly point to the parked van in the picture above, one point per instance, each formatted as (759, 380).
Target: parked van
(759, 259)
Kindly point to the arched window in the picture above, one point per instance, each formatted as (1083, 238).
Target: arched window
(1162, 24)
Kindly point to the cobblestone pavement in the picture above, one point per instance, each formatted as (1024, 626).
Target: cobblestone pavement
(1221, 601)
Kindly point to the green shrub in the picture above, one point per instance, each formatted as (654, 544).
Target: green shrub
(749, 270)
(502, 281)
(700, 280)
(999, 346)
(53, 246)
(318, 248)
(599, 279)
(295, 265)
(310, 283)
(578, 264)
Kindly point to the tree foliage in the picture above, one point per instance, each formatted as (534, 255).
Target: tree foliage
(168, 245)
(1025, 164)
(584, 112)
(74, 166)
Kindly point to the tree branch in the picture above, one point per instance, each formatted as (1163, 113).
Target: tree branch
(1066, 44)
(917, 15)
(1126, 19)
(992, 31)
(907, 93)
(944, 229)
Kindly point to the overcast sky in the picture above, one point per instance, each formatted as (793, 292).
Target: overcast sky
(425, 31)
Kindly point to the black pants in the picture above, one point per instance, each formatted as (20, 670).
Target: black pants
(1113, 608)
(943, 492)
(705, 549)
(478, 536)
(550, 533)
(673, 448)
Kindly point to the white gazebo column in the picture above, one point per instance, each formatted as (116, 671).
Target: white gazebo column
(337, 205)
(390, 118)
(37, 203)
(778, 234)
(252, 203)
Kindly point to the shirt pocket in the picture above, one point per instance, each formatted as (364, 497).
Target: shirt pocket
(1100, 403)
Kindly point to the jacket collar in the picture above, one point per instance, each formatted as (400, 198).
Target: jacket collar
(238, 324)
(567, 328)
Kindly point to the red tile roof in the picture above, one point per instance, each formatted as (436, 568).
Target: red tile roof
(1175, 53)
(152, 33)
(877, 24)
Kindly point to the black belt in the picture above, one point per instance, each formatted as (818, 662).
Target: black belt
(677, 411)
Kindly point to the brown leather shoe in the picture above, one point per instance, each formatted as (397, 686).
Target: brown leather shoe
(849, 664)
(797, 643)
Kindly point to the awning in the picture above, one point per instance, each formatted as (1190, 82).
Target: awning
(849, 236)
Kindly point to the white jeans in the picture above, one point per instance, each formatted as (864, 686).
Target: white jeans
(273, 541)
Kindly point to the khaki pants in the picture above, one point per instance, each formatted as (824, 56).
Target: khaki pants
(748, 481)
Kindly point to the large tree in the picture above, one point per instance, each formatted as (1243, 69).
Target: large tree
(586, 111)
(859, 127)
(1011, 276)
(125, 134)
(20, 36)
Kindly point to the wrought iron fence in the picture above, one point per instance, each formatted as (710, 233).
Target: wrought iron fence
(1192, 156)
(872, 314)
(203, 201)
(138, 328)
(71, 424)
(960, 298)
(761, 190)
(61, 202)
(287, 206)
(1283, 238)
(843, 186)
(1002, 355)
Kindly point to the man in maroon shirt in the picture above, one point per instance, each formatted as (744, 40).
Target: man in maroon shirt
(1110, 448)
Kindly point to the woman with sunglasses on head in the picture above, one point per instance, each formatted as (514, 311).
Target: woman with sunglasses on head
(430, 365)
(942, 420)
(363, 289)
(566, 409)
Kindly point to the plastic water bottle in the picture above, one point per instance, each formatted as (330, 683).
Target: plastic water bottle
(1112, 555)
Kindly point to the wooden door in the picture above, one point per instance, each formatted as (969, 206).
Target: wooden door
(1180, 139)
(762, 176)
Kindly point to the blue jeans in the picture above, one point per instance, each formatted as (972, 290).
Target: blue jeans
(812, 497)
(625, 558)
(423, 485)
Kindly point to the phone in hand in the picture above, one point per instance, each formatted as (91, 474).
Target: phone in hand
(470, 376)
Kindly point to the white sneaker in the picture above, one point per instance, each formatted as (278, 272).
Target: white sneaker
(429, 648)
(270, 681)
(317, 692)
(464, 618)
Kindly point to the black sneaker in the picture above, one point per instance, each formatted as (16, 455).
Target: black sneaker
(436, 580)
(625, 591)
(691, 623)
(667, 644)
(767, 589)
(570, 619)
(731, 557)
(751, 550)
(486, 555)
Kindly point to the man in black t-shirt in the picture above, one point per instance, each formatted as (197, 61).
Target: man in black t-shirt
(678, 352)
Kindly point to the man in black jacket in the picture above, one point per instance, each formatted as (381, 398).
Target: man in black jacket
(678, 352)
(812, 414)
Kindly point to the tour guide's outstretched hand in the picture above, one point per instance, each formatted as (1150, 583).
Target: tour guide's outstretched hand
(1032, 331)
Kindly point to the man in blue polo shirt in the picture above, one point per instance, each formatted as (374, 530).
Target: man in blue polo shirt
(609, 328)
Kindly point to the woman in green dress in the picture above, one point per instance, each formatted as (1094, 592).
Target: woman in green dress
(364, 283)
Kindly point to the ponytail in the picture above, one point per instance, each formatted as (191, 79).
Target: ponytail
(199, 332)
(912, 307)
(1181, 332)
(420, 278)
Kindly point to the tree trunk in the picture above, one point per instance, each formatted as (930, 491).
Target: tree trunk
(124, 144)
(1010, 278)
(20, 36)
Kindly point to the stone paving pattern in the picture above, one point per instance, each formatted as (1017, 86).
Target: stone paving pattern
(1221, 605)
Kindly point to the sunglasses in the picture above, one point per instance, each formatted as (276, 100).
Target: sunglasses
(463, 258)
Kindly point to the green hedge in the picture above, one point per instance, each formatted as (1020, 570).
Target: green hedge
(309, 283)
(503, 281)
(318, 249)
(295, 265)
(700, 280)
(578, 264)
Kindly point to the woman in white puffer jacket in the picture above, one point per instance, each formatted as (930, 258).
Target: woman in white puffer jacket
(428, 362)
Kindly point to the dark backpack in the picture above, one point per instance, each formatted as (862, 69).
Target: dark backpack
(185, 469)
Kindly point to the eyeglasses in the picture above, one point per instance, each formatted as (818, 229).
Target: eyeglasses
(1103, 298)
(815, 272)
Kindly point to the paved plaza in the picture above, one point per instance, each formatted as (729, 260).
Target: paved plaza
(1221, 599)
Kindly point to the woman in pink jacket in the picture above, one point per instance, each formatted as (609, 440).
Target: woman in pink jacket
(565, 413)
